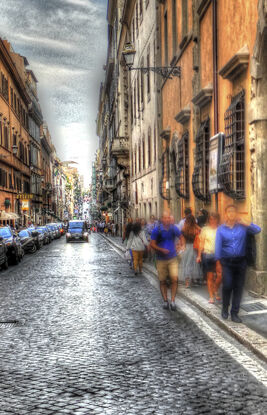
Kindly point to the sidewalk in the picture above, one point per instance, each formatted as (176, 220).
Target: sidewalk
(252, 332)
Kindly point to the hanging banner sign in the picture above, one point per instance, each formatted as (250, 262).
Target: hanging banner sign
(25, 205)
(216, 143)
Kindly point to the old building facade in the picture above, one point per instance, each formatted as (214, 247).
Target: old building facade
(113, 125)
(143, 117)
(14, 136)
(219, 47)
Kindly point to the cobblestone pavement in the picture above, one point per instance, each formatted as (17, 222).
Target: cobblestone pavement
(94, 339)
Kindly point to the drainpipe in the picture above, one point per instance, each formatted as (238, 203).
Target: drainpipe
(215, 75)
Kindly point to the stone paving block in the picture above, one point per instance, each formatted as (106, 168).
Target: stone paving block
(97, 341)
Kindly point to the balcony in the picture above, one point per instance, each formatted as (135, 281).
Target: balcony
(120, 147)
(109, 184)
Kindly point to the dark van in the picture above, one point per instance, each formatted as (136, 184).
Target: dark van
(77, 231)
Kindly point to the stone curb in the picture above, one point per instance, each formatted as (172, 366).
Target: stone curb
(252, 340)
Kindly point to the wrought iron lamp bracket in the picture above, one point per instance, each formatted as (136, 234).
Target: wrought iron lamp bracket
(167, 72)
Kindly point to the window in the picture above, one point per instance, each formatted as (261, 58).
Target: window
(182, 175)
(6, 137)
(139, 157)
(141, 9)
(148, 73)
(4, 86)
(12, 97)
(155, 144)
(136, 194)
(232, 166)
(135, 161)
(142, 84)
(138, 96)
(133, 30)
(3, 178)
(26, 187)
(136, 17)
(134, 101)
(174, 26)
(165, 176)
(132, 163)
(184, 18)
(149, 147)
(144, 153)
(21, 151)
(200, 179)
(166, 52)
(151, 187)
(10, 181)
(1, 132)
(132, 109)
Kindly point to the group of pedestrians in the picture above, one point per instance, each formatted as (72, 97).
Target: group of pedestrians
(108, 228)
(208, 251)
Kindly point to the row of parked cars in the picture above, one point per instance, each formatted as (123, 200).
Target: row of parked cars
(14, 245)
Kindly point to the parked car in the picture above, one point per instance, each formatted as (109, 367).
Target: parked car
(77, 231)
(3, 254)
(15, 251)
(57, 229)
(27, 241)
(37, 236)
(43, 230)
(52, 229)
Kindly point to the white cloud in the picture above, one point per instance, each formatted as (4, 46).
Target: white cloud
(21, 38)
(65, 43)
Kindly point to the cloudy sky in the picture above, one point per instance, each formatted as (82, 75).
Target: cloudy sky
(65, 44)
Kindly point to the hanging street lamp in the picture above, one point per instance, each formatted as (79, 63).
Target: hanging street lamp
(167, 72)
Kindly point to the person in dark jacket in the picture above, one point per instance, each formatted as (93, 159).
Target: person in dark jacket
(230, 254)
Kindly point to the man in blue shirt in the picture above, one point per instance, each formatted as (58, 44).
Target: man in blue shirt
(230, 253)
(163, 242)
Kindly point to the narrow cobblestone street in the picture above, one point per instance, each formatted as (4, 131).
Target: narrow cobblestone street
(93, 339)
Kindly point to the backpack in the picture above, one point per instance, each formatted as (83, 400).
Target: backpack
(159, 237)
(251, 250)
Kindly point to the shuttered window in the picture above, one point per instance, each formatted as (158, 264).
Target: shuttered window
(200, 179)
(182, 175)
(232, 166)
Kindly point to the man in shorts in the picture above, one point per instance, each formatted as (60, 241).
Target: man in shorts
(163, 241)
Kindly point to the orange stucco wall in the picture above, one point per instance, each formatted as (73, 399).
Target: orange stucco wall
(237, 25)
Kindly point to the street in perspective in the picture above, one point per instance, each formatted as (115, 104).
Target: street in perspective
(133, 221)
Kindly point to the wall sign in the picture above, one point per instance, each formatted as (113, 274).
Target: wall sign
(216, 143)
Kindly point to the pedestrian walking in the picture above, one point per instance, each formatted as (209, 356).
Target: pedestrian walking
(187, 212)
(202, 218)
(125, 237)
(230, 252)
(137, 242)
(150, 226)
(191, 272)
(114, 229)
(206, 256)
(163, 242)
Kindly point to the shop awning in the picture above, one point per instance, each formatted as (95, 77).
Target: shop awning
(13, 215)
(5, 216)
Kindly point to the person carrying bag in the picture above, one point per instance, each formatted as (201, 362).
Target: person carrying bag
(138, 243)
